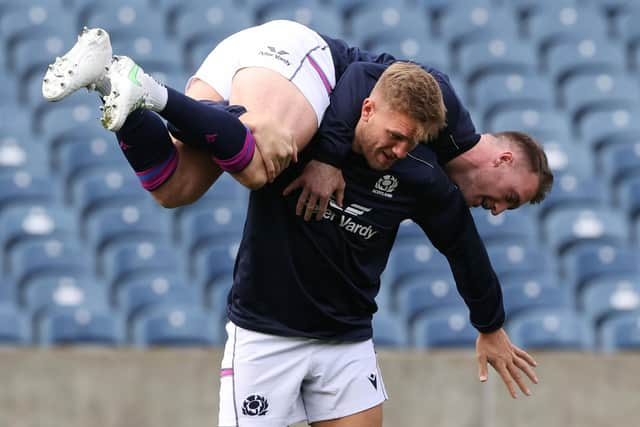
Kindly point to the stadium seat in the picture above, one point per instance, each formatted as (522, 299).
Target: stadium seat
(53, 119)
(409, 232)
(570, 226)
(128, 223)
(216, 295)
(320, 17)
(536, 294)
(551, 329)
(620, 332)
(176, 325)
(424, 292)
(552, 25)
(209, 225)
(628, 197)
(444, 328)
(63, 292)
(497, 55)
(389, 331)
(531, 120)
(518, 258)
(508, 227)
(620, 161)
(36, 222)
(572, 190)
(127, 260)
(392, 21)
(105, 189)
(144, 292)
(567, 158)
(48, 257)
(424, 51)
(8, 292)
(584, 93)
(494, 93)
(35, 17)
(80, 326)
(588, 262)
(15, 328)
(601, 128)
(583, 56)
(605, 297)
(88, 154)
(462, 24)
(213, 261)
(121, 16)
(18, 152)
(411, 258)
(24, 189)
(149, 48)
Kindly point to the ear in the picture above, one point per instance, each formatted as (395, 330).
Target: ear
(368, 107)
(505, 157)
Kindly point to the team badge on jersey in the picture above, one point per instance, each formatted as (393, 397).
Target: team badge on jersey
(255, 405)
(385, 186)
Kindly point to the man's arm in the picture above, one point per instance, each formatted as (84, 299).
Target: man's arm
(448, 223)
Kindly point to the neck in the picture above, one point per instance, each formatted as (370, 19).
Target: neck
(462, 166)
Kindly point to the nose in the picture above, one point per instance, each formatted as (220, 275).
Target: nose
(401, 149)
(498, 208)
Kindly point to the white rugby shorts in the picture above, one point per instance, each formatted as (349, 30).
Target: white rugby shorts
(268, 380)
(289, 48)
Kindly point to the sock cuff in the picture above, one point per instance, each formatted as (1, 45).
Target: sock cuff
(158, 174)
(242, 159)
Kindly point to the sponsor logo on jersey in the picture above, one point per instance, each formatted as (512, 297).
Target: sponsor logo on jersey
(385, 186)
(347, 223)
(278, 54)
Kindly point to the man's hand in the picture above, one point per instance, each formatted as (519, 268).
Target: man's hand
(318, 181)
(276, 146)
(507, 359)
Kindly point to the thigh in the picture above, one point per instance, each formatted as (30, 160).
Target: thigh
(260, 379)
(346, 385)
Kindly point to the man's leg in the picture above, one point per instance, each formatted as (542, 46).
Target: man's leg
(368, 418)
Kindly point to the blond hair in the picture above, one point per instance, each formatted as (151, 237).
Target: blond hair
(409, 89)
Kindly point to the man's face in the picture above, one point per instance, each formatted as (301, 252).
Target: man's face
(384, 136)
(499, 185)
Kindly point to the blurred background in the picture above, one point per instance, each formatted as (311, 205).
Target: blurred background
(94, 275)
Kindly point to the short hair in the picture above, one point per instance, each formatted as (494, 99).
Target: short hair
(536, 160)
(411, 90)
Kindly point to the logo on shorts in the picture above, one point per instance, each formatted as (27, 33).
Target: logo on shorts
(255, 405)
(276, 53)
(385, 186)
(373, 379)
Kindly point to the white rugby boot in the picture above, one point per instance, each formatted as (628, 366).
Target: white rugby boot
(128, 92)
(85, 65)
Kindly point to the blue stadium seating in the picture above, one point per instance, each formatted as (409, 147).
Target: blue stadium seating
(14, 327)
(567, 159)
(17, 153)
(620, 161)
(507, 227)
(211, 225)
(176, 325)
(24, 189)
(573, 190)
(144, 292)
(620, 332)
(517, 258)
(566, 227)
(589, 261)
(216, 294)
(499, 92)
(213, 261)
(320, 17)
(601, 128)
(409, 47)
(551, 329)
(498, 55)
(423, 292)
(389, 330)
(48, 257)
(534, 294)
(80, 326)
(446, 327)
(606, 297)
(391, 21)
(537, 121)
(51, 293)
(628, 197)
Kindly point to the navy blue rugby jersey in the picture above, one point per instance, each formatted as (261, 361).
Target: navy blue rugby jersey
(319, 279)
(356, 82)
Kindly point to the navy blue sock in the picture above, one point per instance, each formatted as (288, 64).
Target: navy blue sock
(210, 128)
(145, 142)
